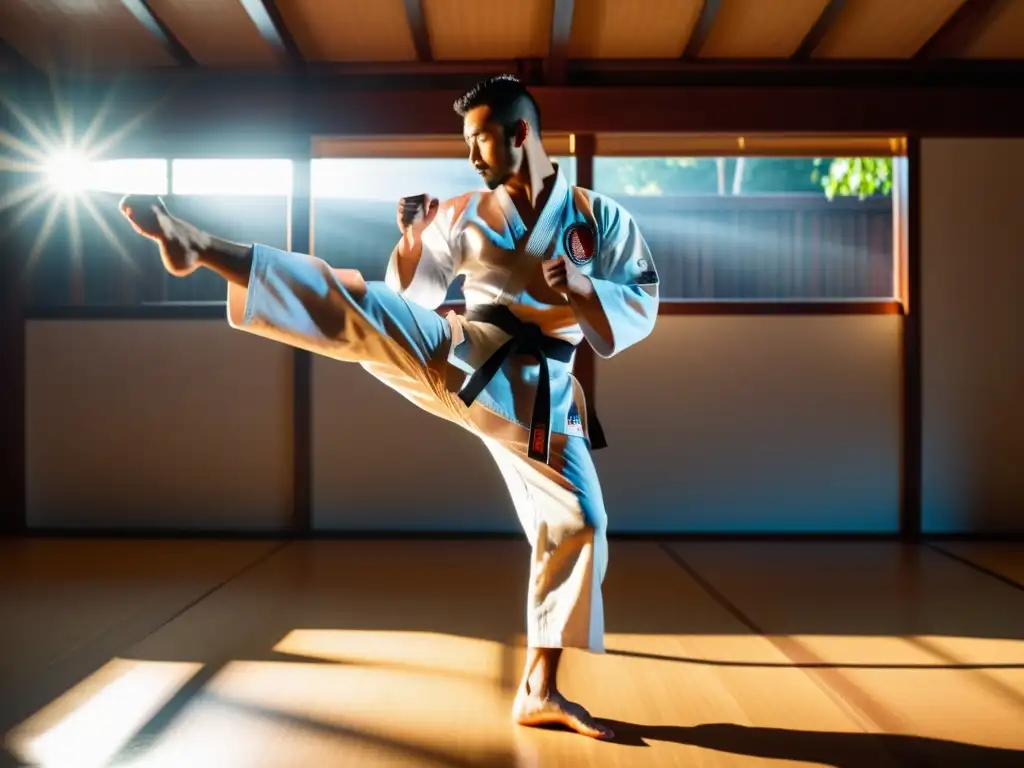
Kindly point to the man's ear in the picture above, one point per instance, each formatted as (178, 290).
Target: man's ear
(522, 131)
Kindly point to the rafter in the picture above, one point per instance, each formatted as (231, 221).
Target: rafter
(561, 30)
(702, 28)
(417, 21)
(817, 32)
(948, 100)
(142, 11)
(266, 16)
(960, 28)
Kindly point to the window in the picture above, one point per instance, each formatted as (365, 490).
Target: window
(76, 246)
(355, 201)
(760, 227)
(70, 173)
(385, 180)
(233, 176)
(241, 199)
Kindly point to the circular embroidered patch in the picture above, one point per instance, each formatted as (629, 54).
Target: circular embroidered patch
(580, 244)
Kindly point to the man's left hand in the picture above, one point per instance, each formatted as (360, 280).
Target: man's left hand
(565, 277)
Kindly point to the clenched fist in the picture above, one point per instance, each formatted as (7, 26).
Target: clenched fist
(415, 214)
(565, 277)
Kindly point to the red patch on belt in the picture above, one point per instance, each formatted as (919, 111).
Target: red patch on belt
(538, 438)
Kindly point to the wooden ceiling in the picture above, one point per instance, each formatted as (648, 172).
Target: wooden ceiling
(87, 36)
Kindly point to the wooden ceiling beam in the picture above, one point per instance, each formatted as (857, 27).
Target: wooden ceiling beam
(701, 30)
(274, 117)
(269, 22)
(613, 73)
(561, 31)
(156, 27)
(959, 30)
(819, 29)
(417, 19)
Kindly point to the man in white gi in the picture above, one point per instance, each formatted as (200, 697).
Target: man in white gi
(547, 266)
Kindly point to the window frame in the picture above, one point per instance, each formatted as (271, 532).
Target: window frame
(652, 144)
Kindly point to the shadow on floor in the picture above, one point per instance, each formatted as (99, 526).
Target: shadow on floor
(880, 589)
(841, 750)
(801, 665)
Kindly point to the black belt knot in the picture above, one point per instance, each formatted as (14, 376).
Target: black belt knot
(527, 339)
(531, 339)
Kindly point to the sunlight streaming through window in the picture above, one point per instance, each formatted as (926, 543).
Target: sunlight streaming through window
(251, 177)
(391, 178)
(72, 174)
(760, 228)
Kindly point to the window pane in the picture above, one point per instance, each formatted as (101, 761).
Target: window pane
(80, 249)
(387, 180)
(568, 166)
(71, 173)
(392, 178)
(240, 199)
(241, 218)
(760, 228)
(355, 201)
(232, 177)
(74, 245)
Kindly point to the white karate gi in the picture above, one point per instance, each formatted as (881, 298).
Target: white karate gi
(397, 336)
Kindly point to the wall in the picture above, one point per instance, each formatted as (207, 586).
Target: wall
(380, 463)
(156, 424)
(972, 296)
(755, 424)
(717, 423)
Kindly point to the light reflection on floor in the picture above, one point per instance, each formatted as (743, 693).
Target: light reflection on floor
(417, 698)
(321, 653)
(88, 725)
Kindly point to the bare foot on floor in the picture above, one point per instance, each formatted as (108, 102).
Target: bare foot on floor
(555, 709)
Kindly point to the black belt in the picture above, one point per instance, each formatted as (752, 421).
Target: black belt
(527, 339)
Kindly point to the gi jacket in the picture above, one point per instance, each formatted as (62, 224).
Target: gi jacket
(482, 237)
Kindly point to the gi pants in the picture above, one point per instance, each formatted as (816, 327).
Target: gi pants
(298, 300)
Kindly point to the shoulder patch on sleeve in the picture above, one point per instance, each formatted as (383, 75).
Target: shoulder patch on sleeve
(580, 243)
(647, 277)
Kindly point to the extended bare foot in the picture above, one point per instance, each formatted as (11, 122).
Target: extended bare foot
(554, 709)
(179, 241)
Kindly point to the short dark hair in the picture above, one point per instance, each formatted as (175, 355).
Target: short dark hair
(507, 97)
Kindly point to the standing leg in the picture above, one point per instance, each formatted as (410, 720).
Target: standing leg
(561, 509)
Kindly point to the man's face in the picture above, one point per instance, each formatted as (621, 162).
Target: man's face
(495, 153)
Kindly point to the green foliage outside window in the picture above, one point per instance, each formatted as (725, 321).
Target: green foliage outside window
(860, 177)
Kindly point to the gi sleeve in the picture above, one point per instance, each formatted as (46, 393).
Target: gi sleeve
(625, 280)
(436, 268)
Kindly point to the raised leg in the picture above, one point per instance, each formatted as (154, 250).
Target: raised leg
(302, 301)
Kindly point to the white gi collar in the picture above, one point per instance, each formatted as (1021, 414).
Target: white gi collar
(546, 228)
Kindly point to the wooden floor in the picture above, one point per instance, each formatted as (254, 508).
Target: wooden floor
(356, 653)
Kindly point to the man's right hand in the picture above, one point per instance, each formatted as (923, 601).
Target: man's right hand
(415, 214)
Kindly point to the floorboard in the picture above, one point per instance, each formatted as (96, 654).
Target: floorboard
(922, 646)
(1002, 559)
(392, 653)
